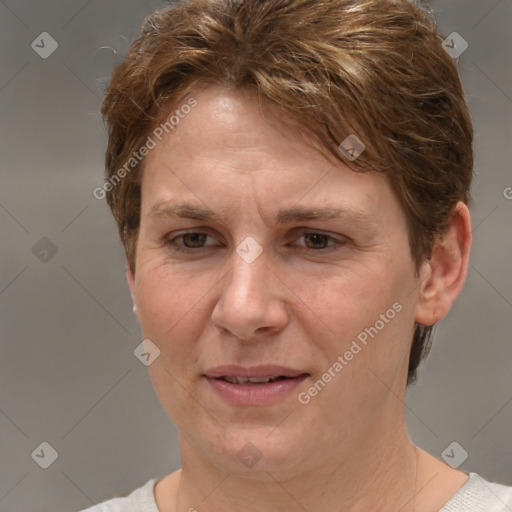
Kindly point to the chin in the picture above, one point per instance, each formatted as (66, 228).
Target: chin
(256, 452)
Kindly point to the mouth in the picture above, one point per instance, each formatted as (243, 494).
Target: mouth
(262, 385)
(254, 380)
(255, 374)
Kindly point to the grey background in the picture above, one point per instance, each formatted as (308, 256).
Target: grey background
(68, 375)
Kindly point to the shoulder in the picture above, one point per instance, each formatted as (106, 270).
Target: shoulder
(480, 495)
(142, 498)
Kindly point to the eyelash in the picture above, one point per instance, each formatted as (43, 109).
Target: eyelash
(171, 242)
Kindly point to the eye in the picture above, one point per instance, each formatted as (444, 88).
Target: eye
(192, 241)
(319, 241)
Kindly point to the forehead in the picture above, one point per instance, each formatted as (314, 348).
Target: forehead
(229, 146)
(236, 121)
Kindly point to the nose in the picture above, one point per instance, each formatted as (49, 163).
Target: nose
(252, 300)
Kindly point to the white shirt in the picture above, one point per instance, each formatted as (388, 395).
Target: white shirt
(476, 495)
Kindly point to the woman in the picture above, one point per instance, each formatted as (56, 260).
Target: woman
(291, 184)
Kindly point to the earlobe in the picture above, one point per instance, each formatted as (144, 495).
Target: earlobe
(443, 276)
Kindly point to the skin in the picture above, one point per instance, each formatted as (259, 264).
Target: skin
(299, 304)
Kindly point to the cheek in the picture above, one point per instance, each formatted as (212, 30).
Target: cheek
(171, 316)
(345, 302)
(364, 315)
(169, 304)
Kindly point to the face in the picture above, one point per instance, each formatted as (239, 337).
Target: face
(259, 258)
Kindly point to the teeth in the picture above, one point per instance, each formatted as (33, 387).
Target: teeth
(255, 380)
(262, 379)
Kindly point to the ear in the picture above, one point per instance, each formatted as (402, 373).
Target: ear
(131, 283)
(444, 274)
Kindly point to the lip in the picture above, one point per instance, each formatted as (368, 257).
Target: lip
(254, 394)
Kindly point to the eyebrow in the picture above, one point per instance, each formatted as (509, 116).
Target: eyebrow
(295, 214)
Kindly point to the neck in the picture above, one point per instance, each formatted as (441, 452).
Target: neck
(377, 472)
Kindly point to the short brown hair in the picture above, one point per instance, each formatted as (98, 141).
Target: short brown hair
(373, 68)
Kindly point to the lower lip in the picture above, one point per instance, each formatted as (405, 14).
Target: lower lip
(255, 394)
